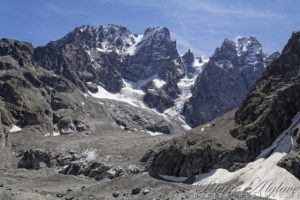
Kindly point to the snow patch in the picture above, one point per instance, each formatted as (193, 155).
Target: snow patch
(83, 28)
(15, 129)
(154, 133)
(47, 134)
(90, 155)
(56, 133)
(132, 49)
(131, 93)
(198, 65)
(104, 50)
(159, 83)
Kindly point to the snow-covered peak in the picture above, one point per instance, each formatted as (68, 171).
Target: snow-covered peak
(113, 32)
(244, 53)
(118, 39)
(248, 45)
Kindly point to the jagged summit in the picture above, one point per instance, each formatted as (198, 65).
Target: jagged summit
(248, 45)
(226, 79)
(156, 34)
(245, 52)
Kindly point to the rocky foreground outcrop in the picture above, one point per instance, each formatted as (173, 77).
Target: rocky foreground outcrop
(236, 138)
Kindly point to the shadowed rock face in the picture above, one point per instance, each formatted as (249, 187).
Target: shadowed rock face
(267, 110)
(30, 95)
(188, 60)
(226, 79)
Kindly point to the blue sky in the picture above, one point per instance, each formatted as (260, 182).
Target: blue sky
(196, 24)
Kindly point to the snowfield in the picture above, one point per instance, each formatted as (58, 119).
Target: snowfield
(132, 93)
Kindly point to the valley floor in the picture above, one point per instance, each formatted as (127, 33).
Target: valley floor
(110, 146)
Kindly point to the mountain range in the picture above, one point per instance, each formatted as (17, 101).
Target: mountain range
(146, 71)
(105, 105)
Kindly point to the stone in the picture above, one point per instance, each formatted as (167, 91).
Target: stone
(133, 169)
(135, 191)
(66, 126)
(145, 191)
(116, 194)
(114, 172)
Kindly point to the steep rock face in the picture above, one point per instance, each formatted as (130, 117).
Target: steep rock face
(70, 57)
(188, 61)
(226, 79)
(31, 95)
(239, 136)
(157, 54)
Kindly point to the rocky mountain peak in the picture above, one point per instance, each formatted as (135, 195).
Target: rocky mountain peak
(245, 54)
(268, 59)
(226, 51)
(189, 56)
(159, 33)
(293, 44)
(191, 64)
(20, 51)
(248, 45)
(117, 38)
(226, 79)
